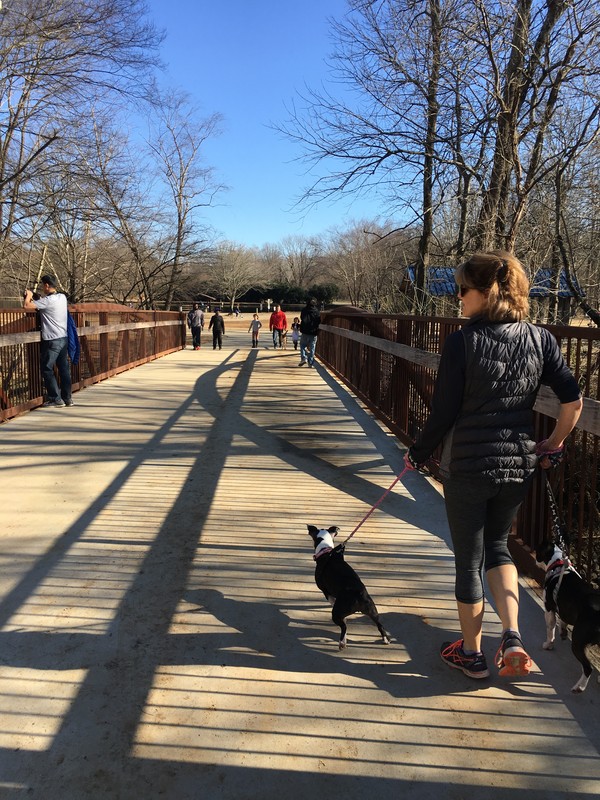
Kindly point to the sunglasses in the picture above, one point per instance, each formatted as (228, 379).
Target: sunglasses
(462, 290)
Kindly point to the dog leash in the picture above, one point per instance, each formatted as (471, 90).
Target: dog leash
(559, 532)
(557, 523)
(380, 501)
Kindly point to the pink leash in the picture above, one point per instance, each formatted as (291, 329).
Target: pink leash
(377, 504)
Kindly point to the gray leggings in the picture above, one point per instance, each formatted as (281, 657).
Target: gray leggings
(480, 515)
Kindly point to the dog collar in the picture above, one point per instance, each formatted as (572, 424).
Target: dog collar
(323, 551)
(557, 569)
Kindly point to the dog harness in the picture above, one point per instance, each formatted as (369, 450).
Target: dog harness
(557, 569)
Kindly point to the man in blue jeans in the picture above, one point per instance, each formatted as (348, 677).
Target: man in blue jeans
(309, 329)
(54, 346)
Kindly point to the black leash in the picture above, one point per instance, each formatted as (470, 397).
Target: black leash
(561, 537)
(558, 526)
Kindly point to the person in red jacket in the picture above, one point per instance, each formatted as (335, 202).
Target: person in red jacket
(277, 325)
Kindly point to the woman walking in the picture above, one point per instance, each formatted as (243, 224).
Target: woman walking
(488, 378)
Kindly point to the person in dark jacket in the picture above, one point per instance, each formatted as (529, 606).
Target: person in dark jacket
(217, 323)
(310, 319)
(196, 323)
(486, 386)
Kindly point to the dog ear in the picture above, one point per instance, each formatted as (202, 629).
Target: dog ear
(312, 529)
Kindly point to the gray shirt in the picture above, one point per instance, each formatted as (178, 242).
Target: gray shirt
(53, 315)
(197, 319)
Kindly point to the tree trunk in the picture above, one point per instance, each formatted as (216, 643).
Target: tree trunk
(423, 259)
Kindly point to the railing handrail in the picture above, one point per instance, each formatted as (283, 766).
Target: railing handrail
(86, 330)
(547, 402)
(113, 338)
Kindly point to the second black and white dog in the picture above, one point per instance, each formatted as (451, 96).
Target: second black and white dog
(574, 602)
(340, 583)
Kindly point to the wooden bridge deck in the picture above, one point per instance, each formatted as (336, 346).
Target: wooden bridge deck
(161, 635)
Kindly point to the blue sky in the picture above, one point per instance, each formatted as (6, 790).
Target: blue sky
(247, 59)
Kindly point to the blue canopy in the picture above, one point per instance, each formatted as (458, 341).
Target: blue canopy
(441, 282)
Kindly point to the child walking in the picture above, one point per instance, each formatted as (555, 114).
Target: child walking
(296, 332)
(255, 326)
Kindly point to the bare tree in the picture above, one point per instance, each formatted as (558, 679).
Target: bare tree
(177, 143)
(57, 58)
(301, 260)
(552, 58)
(120, 200)
(233, 270)
(271, 261)
(461, 99)
(390, 53)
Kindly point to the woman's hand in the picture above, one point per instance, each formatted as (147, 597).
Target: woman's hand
(548, 455)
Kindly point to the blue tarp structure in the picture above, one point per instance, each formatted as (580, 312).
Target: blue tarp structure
(540, 284)
(441, 282)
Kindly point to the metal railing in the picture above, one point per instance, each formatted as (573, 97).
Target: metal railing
(112, 338)
(390, 363)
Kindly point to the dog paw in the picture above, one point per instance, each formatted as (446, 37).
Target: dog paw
(387, 640)
(548, 645)
(342, 644)
(581, 685)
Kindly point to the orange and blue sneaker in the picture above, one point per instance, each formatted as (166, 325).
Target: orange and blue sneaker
(472, 664)
(511, 659)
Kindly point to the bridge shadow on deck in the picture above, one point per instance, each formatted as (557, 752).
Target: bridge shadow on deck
(148, 684)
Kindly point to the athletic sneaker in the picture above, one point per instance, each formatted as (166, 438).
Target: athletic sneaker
(302, 363)
(511, 659)
(69, 402)
(473, 664)
(54, 403)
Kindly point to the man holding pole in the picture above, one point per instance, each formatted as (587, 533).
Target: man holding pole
(54, 346)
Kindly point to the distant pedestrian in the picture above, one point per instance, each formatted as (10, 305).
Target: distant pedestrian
(310, 319)
(196, 323)
(296, 332)
(254, 328)
(277, 325)
(54, 345)
(217, 323)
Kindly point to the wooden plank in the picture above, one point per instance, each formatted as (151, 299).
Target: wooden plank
(7, 339)
(412, 354)
(86, 330)
(589, 421)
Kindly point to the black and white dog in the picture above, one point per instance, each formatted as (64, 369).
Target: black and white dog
(568, 597)
(340, 584)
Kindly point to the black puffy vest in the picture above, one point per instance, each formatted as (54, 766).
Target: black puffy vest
(493, 433)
